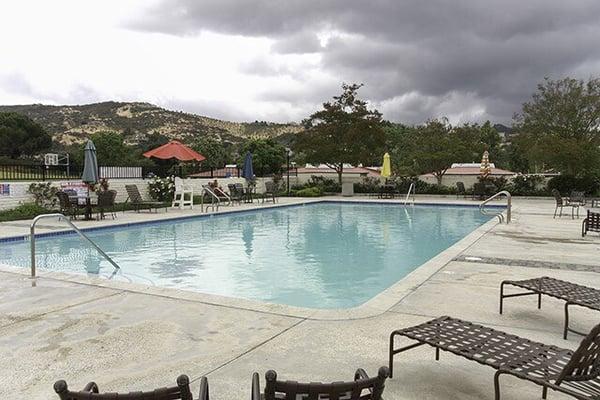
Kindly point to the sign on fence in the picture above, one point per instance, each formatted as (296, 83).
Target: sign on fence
(4, 189)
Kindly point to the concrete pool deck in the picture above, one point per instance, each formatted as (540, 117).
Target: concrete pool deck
(126, 339)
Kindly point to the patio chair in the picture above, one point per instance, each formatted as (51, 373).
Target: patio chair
(591, 223)
(183, 189)
(460, 190)
(479, 191)
(577, 197)
(270, 192)
(66, 206)
(572, 293)
(134, 196)
(562, 202)
(235, 193)
(362, 388)
(90, 392)
(575, 373)
(106, 203)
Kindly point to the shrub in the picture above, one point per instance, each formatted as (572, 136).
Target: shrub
(528, 185)
(44, 194)
(325, 184)
(308, 192)
(567, 183)
(162, 189)
(368, 185)
(23, 211)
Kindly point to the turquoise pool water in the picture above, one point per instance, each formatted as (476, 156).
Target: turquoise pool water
(323, 255)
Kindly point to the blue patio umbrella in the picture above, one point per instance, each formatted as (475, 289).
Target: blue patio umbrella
(247, 170)
(90, 164)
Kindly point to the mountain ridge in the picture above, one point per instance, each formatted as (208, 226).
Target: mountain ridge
(71, 124)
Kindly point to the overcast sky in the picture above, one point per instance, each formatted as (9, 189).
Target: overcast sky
(278, 60)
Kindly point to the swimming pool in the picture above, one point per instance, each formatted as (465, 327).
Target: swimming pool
(322, 255)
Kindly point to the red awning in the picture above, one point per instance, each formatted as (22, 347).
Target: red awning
(175, 149)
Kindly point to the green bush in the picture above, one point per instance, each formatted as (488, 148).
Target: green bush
(44, 194)
(528, 185)
(326, 185)
(567, 183)
(308, 192)
(23, 211)
(368, 185)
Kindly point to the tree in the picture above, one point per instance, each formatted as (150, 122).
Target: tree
(21, 136)
(216, 153)
(438, 145)
(561, 125)
(344, 131)
(268, 156)
(112, 151)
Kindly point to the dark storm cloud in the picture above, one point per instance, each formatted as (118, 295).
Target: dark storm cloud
(416, 58)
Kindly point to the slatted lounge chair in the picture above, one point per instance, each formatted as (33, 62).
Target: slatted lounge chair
(106, 204)
(571, 293)
(134, 196)
(362, 388)
(576, 373)
(90, 392)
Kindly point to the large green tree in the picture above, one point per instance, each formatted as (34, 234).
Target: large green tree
(560, 126)
(438, 145)
(216, 152)
(112, 151)
(268, 156)
(21, 136)
(344, 131)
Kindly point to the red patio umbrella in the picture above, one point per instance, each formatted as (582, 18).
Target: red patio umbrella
(175, 149)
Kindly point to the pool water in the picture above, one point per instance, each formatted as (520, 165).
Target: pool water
(323, 255)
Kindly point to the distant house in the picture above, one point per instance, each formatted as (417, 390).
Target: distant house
(466, 173)
(349, 174)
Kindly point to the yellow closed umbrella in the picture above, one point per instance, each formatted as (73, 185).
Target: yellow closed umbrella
(386, 170)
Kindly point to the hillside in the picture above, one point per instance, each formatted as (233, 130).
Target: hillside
(72, 124)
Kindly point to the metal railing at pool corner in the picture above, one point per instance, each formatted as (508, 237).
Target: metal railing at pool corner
(411, 188)
(76, 229)
(499, 215)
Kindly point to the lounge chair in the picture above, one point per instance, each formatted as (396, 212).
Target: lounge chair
(90, 392)
(270, 192)
(362, 388)
(575, 373)
(571, 293)
(134, 196)
(562, 202)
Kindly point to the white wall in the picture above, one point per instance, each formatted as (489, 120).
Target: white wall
(19, 194)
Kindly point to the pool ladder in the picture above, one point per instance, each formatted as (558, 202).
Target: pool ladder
(499, 215)
(411, 188)
(76, 229)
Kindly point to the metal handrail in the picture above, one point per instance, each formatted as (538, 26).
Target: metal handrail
(499, 215)
(76, 229)
(410, 188)
(213, 198)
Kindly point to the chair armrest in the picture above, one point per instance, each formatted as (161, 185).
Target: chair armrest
(360, 374)
(203, 389)
(91, 387)
(255, 386)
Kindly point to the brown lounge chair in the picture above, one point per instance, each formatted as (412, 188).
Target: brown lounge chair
(134, 196)
(362, 388)
(571, 293)
(576, 373)
(90, 392)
